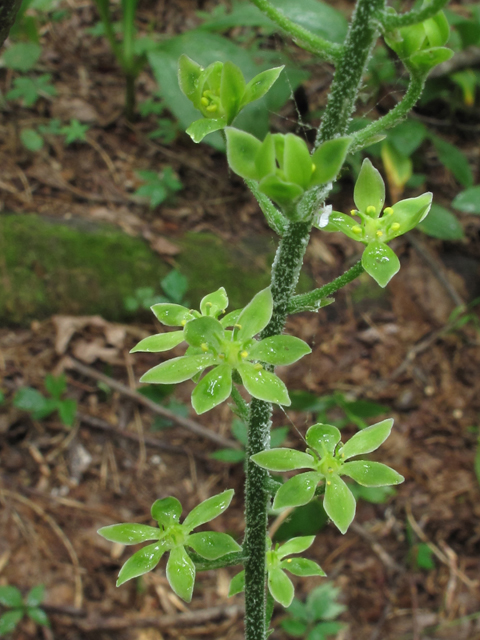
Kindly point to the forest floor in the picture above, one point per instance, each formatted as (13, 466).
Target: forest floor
(396, 347)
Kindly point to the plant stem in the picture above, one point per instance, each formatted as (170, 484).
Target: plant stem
(275, 219)
(8, 13)
(392, 21)
(130, 97)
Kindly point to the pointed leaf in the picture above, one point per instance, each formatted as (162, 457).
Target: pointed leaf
(260, 84)
(208, 509)
(204, 330)
(38, 616)
(302, 567)
(279, 350)
(178, 369)
(297, 161)
(410, 212)
(171, 315)
(181, 573)
(297, 491)
(10, 596)
(369, 189)
(283, 193)
(231, 90)
(256, 315)
(328, 160)
(281, 587)
(35, 596)
(442, 224)
(213, 389)
(212, 545)
(265, 157)
(159, 342)
(166, 511)
(283, 460)
(142, 562)
(130, 533)
(56, 385)
(380, 262)
(67, 410)
(9, 620)
(242, 148)
(371, 474)
(263, 385)
(367, 440)
(323, 438)
(237, 584)
(189, 73)
(295, 545)
(339, 503)
(214, 303)
(468, 201)
(201, 128)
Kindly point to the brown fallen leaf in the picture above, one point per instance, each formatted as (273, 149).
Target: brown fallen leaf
(160, 244)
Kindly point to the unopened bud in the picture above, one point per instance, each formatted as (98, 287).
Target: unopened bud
(371, 210)
(204, 101)
(244, 354)
(395, 226)
(379, 234)
(357, 229)
(204, 346)
(258, 366)
(388, 211)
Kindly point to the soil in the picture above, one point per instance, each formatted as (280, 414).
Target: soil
(397, 347)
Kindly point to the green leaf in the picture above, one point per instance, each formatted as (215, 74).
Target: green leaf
(424, 557)
(297, 162)
(208, 509)
(9, 620)
(339, 503)
(468, 201)
(328, 160)
(454, 160)
(323, 438)
(337, 221)
(425, 60)
(256, 315)
(407, 136)
(201, 128)
(130, 533)
(204, 330)
(35, 596)
(237, 584)
(178, 369)
(283, 193)
(319, 17)
(10, 596)
(283, 460)
(260, 84)
(29, 399)
(228, 455)
(213, 389)
(437, 30)
(371, 474)
(279, 350)
(321, 603)
(189, 73)
(295, 545)
(367, 440)
(325, 630)
(369, 189)
(142, 562)
(294, 627)
(67, 410)
(31, 140)
(398, 167)
(171, 315)
(281, 587)
(302, 567)
(277, 436)
(181, 573)
(297, 491)
(22, 56)
(214, 303)
(166, 511)
(265, 157)
(262, 384)
(408, 213)
(230, 319)
(232, 88)
(159, 342)
(380, 262)
(56, 385)
(242, 148)
(212, 545)
(38, 616)
(442, 224)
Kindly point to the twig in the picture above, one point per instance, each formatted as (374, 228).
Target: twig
(387, 560)
(186, 423)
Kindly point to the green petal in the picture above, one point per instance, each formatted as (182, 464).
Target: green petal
(212, 545)
(281, 587)
(265, 157)
(181, 573)
(232, 88)
(328, 160)
(367, 440)
(237, 584)
(339, 503)
(295, 545)
(408, 213)
(189, 73)
(256, 315)
(425, 60)
(283, 193)
(159, 342)
(213, 389)
(260, 84)
(242, 148)
(142, 562)
(263, 385)
(214, 303)
(201, 128)
(338, 221)
(380, 262)
(297, 491)
(369, 189)
(323, 438)
(204, 330)
(171, 315)
(208, 509)
(302, 567)
(283, 460)
(178, 369)
(279, 350)
(231, 318)
(297, 161)
(127, 533)
(371, 474)
(166, 511)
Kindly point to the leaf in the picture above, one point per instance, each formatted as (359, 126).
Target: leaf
(22, 56)
(189, 73)
(297, 491)
(297, 162)
(319, 17)
(260, 84)
(295, 545)
(213, 389)
(208, 509)
(302, 567)
(201, 128)
(204, 330)
(408, 213)
(425, 60)
(228, 455)
(130, 533)
(454, 160)
(256, 315)
(339, 503)
(9, 620)
(325, 630)
(174, 285)
(214, 303)
(142, 562)
(181, 573)
(424, 557)
(67, 410)
(262, 384)
(380, 262)
(56, 385)
(323, 438)
(442, 224)
(178, 369)
(407, 136)
(237, 584)
(38, 616)
(171, 315)
(367, 440)
(398, 167)
(232, 87)
(212, 545)
(265, 157)
(166, 511)
(277, 436)
(159, 342)
(281, 587)
(468, 201)
(369, 189)
(31, 140)
(230, 319)
(10, 596)
(242, 148)
(371, 474)
(279, 350)
(35, 596)
(283, 460)
(294, 627)
(29, 399)
(328, 160)
(321, 603)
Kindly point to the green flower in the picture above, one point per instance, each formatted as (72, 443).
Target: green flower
(172, 536)
(227, 345)
(219, 92)
(328, 460)
(279, 584)
(369, 225)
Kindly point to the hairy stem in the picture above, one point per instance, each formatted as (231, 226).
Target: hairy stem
(8, 13)
(273, 216)
(391, 21)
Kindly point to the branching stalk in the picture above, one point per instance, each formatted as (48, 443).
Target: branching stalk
(392, 21)
(273, 216)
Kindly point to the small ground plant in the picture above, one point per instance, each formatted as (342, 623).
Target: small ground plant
(231, 353)
(15, 607)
